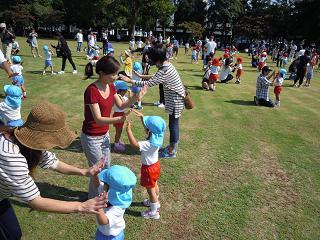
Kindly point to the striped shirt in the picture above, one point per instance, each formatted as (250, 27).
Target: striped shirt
(14, 174)
(173, 88)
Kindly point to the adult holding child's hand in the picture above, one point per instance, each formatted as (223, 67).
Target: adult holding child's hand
(21, 151)
(99, 99)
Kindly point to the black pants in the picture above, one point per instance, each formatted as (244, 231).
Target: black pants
(279, 62)
(263, 102)
(161, 93)
(229, 77)
(64, 59)
(9, 225)
(301, 72)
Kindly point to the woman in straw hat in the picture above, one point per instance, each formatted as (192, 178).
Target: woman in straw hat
(21, 151)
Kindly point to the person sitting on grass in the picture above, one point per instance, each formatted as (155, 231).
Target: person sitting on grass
(10, 108)
(226, 75)
(262, 88)
(150, 170)
(116, 183)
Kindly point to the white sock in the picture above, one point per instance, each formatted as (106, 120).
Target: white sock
(154, 206)
(139, 103)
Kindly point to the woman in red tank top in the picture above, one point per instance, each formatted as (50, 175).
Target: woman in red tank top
(99, 98)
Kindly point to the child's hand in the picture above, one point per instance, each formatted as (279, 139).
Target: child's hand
(137, 113)
(124, 78)
(128, 125)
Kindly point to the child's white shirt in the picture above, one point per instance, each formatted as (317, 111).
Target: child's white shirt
(115, 107)
(309, 68)
(194, 52)
(8, 113)
(262, 59)
(17, 68)
(278, 81)
(149, 153)
(139, 43)
(131, 44)
(79, 37)
(116, 223)
(48, 55)
(239, 66)
(214, 69)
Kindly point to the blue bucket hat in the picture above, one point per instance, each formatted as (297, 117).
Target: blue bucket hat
(157, 127)
(120, 180)
(137, 67)
(13, 96)
(109, 50)
(45, 48)
(16, 59)
(120, 85)
(283, 72)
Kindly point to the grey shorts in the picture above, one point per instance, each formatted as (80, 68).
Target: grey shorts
(95, 147)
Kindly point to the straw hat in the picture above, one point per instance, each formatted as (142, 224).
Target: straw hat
(45, 128)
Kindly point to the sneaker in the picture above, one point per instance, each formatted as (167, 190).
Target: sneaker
(161, 105)
(139, 107)
(44, 73)
(118, 147)
(146, 203)
(150, 215)
(74, 72)
(53, 73)
(61, 72)
(165, 154)
(156, 103)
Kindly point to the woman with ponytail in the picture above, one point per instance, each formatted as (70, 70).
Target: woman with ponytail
(99, 98)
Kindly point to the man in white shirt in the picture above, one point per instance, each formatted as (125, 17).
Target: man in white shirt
(79, 38)
(210, 47)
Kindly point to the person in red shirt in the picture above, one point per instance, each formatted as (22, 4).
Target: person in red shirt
(99, 98)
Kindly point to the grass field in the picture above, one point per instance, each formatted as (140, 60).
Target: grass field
(242, 171)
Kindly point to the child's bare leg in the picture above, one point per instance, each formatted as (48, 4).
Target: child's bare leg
(157, 190)
(37, 51)
(152, 195)
(51, 67)
(32, 52)
(24, 91)
(118, 135)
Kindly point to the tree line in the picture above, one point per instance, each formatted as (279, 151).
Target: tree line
(271, 19)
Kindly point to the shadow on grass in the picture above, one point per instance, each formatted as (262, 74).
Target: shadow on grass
(2, 95)
(241, 102)
(129, 150)
(135, 213)
(147, 104)
(35, 72)
(194, 87)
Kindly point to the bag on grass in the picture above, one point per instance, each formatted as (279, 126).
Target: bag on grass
(188, 102)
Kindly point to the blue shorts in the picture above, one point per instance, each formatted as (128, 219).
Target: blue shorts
(17, 80)
(15, 123)
(309, 75)
(48, 63)
(100, 236)
(194, 58)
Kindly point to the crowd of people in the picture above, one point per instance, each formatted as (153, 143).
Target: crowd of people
(108, 101)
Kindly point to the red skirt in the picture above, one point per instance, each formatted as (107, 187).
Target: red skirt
(150, 175)
(277, 90)
(213, 78)
(239, 73)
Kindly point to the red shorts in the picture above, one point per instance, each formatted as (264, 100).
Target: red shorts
(239, 73)
(120, 124)
(150, 175)
(261, 65)
(213, 78)
(277, 90)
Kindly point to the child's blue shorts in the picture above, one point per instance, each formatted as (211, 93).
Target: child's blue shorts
(309, 75)
(194, 58)
(48, 63)
(17, 80)
(100, 236)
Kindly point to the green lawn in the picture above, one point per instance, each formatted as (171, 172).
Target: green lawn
(243, 172)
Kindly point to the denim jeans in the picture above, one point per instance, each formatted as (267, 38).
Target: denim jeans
(79, 46)
(9, 225)
(174, 129)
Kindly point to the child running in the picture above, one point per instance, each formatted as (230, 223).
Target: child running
(48, 62)
(10, 108)
(117, 182)
(214, 74)
(150, 170)
(278, 81)
(18, 79)
(122, 89)
(239, 68)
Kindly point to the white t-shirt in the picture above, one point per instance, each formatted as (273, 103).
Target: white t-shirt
(140, 44)
(278, 81)
(92, 41)
(2, 58)
(17, 68)
(225, 72)
(48, 55)
(187, 45)
(115, 217)
(211, 46)
(149, 153)
(131, 44)
(262, 59)
(214, 69)
(115, 107)
(79, 37)
(8, 114)
(199, 43)
(239, 66)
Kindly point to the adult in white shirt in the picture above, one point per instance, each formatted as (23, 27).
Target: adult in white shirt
(132, 44)
(79, 38)
(210, 47)
(4, 64)
(139, 43)
(225, 75)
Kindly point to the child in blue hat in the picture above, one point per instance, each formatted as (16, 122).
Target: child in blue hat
(18, 79)
(117, 182)
(10, 108)
(48, 61)
(137, 69)
(122, 89)
(150, 170)
(277, 82)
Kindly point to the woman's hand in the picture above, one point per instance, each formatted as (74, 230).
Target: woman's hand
(94, 170)
(137, 113)
(125, 116)
(124, 78)
(128, 125)
(94, 205)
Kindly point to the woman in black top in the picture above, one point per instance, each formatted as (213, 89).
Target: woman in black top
(63, 50)
(302, 68)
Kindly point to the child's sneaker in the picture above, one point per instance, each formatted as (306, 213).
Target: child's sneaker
(74, 72)
(146, 202)
(150, 215)
(53, 73)
(44, 73)
(61, 72)
(118, 147)
(156, 103)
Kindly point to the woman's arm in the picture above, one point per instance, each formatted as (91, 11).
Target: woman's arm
(101, 121)
(71, 170)
(142, 76)
(132, 140)
(50, 205)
